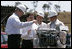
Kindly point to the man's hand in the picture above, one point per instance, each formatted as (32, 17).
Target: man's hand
(29, 31)
(35, 21)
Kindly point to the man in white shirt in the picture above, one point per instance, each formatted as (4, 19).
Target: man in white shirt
(28, 33)
(55, 23)
(14, 25)
(39, 18)
(40, 24)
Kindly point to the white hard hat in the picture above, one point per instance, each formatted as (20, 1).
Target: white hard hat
(21, 7)
(30, 10)
(40, 13)
(52, 13)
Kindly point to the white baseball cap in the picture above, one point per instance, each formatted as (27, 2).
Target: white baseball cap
(52, 13)
(21, 7)
(40, 13)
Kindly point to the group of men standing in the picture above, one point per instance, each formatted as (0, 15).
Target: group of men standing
(27, 30)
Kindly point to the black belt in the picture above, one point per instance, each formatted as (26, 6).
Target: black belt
(15, 34)
(28, 40)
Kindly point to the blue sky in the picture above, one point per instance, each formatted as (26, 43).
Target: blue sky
(65, 5)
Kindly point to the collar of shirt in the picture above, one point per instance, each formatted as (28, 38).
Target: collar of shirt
(39, 24)
(34, 26)
(16, 15)
(53, 23)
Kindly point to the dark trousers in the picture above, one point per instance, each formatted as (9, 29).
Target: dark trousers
(27, 44)
(14, 41)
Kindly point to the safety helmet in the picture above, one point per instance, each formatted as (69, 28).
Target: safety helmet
(52, 13)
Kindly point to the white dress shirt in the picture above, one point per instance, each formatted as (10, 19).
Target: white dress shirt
(62, 34)
(32, 34)
(14, 25)
(55, 24)
(42, 25)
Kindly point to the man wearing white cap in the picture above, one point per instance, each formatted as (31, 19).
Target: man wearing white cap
(14, 25)
(40, 24)
(39, 18)
(54, 23)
